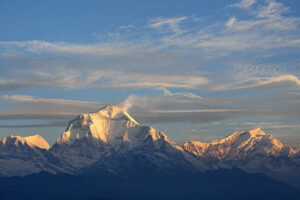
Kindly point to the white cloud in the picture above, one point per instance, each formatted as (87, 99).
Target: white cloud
(231, 22)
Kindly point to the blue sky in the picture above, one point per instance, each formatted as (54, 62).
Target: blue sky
(195, 69)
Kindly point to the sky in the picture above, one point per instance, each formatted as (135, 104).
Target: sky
(198, 70)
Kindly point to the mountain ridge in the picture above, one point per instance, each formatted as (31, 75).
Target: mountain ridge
(242, 141)
(111, 141)
(33, 141)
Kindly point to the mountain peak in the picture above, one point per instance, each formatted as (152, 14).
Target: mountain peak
(251, 133)
(244, 143)
(108, 130)
(32, 141)
(107, 124)
(256, 132)
(112, 111)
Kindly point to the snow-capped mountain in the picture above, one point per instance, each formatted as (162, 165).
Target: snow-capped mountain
(252, 151)
(240, 146)
(109, 131)
(20, 156)
(35, 141)
(110, 141)
(110, 125)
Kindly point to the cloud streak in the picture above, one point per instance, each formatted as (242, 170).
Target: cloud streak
(173, 24)
(101, 49)
(29, 107)
(37, 125)
(287, 80)
(183, 94)
(245, 4)
(33, 100)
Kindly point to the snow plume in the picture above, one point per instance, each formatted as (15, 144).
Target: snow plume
(127, 103)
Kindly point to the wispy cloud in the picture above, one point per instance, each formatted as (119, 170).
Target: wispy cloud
(136, 80)
(173, 24)
(100, 49)
(245, 4)
(282, 127)
(31, 99)
(182, 94)
(259, 124)
(198, 111)
(78, 78)
(287, 80)
(27, 115)
(231, 22)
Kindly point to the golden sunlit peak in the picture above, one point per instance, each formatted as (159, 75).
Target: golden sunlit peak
(33, 141)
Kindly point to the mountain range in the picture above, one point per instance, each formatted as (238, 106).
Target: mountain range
(110, 143)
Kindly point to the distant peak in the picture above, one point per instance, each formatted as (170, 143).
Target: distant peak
(252, 133)
(32, 141)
